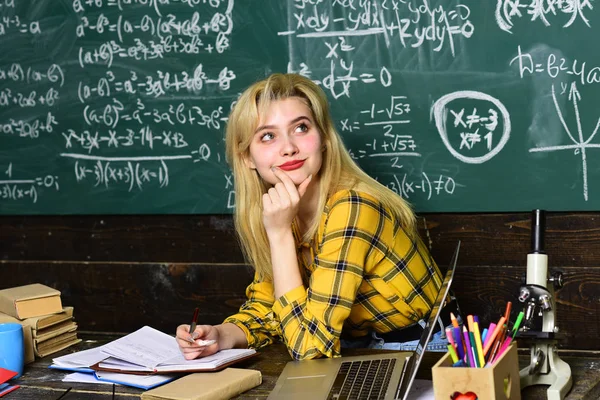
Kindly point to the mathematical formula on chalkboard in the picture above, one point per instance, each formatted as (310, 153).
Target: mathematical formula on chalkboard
(119, 106)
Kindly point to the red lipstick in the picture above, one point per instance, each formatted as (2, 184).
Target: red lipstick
(292, 165)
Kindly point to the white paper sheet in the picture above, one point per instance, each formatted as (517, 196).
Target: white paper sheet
(80, 377)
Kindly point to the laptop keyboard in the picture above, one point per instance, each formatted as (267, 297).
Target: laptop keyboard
(358, 380)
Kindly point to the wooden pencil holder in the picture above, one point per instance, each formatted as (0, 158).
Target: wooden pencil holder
(498, 382)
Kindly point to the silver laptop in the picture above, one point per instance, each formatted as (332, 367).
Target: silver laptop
(386, 376)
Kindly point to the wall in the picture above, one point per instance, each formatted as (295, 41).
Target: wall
(121, 272)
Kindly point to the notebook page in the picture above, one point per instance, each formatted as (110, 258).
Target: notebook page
(81, 359)
(212, 361)
(147, 347)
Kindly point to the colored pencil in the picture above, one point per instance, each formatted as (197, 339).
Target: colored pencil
(499, 326)
(460, 346)
(454, 320)
(469, 355)
(489, 334)
(478, 345)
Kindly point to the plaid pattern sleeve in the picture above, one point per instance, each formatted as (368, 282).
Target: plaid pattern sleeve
(367, 274)
(255, 316)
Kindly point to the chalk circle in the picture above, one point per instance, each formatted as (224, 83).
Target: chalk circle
(438, 112)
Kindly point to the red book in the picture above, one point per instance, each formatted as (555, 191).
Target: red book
(6, 375)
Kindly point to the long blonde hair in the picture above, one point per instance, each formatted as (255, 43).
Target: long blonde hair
(338, 170)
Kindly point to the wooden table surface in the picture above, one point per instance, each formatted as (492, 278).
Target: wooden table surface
(39, 382)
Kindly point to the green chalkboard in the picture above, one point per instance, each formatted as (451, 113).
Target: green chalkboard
(119, 106)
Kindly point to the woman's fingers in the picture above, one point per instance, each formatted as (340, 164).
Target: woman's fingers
(304, 185)
(286, 184)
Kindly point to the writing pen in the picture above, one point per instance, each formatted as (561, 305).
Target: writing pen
(193, 325)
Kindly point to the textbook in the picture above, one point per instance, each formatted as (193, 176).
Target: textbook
(41, 335)
(55, 344)
(222, 385)
(148, 351)
(44, 321)
(30, 301)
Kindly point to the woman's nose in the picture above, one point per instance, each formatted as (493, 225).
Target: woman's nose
(288, 147)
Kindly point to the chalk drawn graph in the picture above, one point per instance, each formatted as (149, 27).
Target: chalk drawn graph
(580, 145)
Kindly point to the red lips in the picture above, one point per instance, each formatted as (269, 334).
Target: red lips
(292, 165)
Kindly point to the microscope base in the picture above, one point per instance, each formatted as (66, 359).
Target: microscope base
(551, 371)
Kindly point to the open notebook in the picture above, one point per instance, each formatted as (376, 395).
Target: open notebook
(147, 351)
(387, 375)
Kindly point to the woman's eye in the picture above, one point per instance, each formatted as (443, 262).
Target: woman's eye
(265, 137)
(302, 128)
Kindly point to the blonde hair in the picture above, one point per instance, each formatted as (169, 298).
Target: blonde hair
(338, 170)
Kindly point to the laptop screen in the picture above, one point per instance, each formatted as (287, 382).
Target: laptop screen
(413, 364)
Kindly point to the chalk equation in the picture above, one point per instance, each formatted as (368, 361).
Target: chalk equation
(18, 189)
(543, 11)
(483, 129)
(131, 97)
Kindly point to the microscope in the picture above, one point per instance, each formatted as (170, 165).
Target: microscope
(537, 296)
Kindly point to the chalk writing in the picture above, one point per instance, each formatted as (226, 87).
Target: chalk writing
(119, 99)
(17, 189)
(471, 129)
(556, 67)
(542, 11)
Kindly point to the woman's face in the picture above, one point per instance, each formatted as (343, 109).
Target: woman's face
(287, 138)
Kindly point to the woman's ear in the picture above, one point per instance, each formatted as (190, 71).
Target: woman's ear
(248, 161)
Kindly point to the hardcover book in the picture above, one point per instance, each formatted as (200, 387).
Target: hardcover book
(30, 301)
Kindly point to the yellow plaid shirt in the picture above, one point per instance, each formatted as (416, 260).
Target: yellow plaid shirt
(365, 274)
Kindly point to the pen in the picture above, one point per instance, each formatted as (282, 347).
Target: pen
(193, 325)
(517, 324)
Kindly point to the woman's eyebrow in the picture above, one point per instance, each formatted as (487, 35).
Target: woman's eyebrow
(292, 122)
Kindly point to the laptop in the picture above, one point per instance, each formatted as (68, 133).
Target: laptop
(386, 376)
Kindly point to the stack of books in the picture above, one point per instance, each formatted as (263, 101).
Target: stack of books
(48, 326)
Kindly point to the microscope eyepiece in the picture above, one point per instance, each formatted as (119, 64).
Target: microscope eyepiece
(538, 228)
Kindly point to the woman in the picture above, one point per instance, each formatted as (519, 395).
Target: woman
(336, 254)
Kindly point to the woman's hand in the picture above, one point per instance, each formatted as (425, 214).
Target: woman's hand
(280, 203)
(203, 342)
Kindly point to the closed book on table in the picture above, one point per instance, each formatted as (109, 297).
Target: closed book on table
(44, 334)
(222, 385)
(27, 337)
(56, 344)
(30, 301)
(45, 321)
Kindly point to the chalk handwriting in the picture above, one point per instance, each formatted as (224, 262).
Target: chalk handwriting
(541, 11)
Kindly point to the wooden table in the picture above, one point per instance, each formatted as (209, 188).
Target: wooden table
(40, 383)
